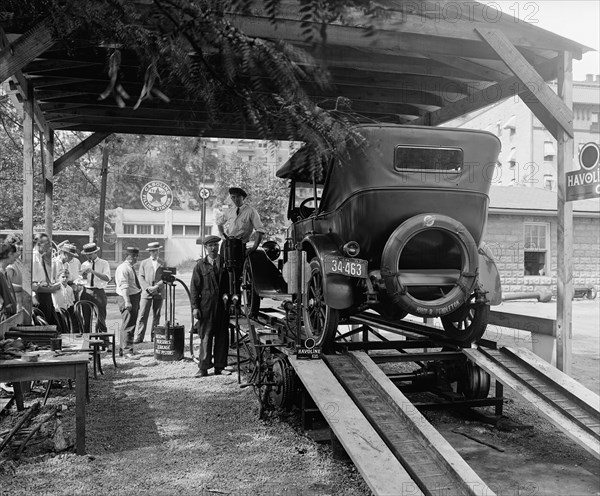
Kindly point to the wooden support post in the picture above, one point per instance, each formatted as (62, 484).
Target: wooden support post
(47, 141)
(564, 304)
(104, 176)
(27, 198)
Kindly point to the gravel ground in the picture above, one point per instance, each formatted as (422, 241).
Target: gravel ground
(154, 429)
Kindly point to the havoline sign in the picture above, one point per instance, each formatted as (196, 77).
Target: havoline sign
(585, 183)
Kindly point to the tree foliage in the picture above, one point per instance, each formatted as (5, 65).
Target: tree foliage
(194, 46)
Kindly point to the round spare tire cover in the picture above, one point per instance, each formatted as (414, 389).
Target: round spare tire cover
(393, 277)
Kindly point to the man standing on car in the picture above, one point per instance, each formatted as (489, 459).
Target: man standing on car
(128, 299)
(210, 281)
(96, 274)
(241, 221)
(153, 291)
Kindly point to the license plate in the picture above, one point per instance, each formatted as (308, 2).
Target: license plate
(352, 267)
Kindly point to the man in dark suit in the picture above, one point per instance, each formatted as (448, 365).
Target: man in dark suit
(153, 291)
(210, 281)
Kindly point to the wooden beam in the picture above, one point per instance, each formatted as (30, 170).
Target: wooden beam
(23, 88)
(512, 86)
(24, 49)
(564, 251)
(529, 77)
(28, 170)
(78, 151)
(47, 162)
(383, 42)
(474, 69)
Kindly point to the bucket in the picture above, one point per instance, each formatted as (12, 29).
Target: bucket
(168, 342)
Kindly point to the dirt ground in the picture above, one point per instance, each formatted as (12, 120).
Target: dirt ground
(154, 429)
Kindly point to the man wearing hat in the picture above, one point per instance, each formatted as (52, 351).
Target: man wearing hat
(128, 299)
(210, 281)
(67, 259)
(153, 291)
(95, 273)
(241, 221)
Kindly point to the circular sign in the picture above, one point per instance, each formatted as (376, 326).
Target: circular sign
(110, 238)
(589, 156)
(204, 193)
(156, 196)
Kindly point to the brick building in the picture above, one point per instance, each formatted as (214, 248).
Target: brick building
(522, 233)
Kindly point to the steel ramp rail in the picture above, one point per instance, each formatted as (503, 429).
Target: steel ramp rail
(562, 400)
(382, 472)
(434, 465)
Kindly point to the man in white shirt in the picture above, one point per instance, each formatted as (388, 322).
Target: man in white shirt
(241, 221)
(95, 273)
(128, 299)
(153, 291)
(44, 276)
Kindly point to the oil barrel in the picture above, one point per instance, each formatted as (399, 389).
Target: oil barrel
(169, 342)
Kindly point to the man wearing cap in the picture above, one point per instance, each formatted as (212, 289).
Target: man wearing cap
(128, 299)
(153, 291)
(239, 222)
(95, 273)
(210, 281)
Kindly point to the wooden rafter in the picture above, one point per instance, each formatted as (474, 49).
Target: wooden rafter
(530, 78)
(78, 151)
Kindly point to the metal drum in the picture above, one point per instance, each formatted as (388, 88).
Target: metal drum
(168, 342)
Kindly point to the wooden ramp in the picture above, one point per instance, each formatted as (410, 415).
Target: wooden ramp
(378, 466)
(562, 400)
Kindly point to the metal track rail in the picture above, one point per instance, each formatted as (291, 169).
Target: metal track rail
(432, 463)
(562, 400)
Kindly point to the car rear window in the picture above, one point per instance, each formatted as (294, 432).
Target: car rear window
(412, 157)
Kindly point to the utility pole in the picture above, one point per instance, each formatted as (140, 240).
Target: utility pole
(104, 176)
(203, 195)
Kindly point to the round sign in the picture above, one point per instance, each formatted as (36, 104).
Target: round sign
(204, 193)
(110, 238)
(589, 156)
(156, 196)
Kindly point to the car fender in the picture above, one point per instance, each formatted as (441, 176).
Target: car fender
(337, 288)
(489, 277)
(266, 277)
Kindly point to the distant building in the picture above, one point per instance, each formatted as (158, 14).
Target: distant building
(528, 155)
(522, 234)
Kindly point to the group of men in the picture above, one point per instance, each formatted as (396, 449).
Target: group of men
(87, 281)
(142, 292)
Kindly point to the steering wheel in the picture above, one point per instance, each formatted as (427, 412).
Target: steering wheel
(306, 211)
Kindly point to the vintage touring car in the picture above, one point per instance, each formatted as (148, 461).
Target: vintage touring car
(396, 227)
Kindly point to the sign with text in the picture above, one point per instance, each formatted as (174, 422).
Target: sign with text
(585, 183)
(156, 196)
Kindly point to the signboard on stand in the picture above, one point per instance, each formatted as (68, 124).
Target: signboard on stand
(585, 183)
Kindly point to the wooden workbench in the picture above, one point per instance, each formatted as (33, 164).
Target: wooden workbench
(58, 367)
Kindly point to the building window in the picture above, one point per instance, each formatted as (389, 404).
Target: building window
(549, 151)
(535, 242)
(128, 228)
(186, 231)
(143, 229)
(158, 229)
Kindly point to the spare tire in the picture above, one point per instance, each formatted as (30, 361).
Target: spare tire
(392, 273)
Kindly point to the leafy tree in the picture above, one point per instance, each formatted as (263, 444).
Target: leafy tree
(191, 46)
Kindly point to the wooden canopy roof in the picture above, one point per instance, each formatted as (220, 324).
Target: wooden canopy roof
(425, 63)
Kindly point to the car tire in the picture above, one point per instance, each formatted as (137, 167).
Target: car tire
(320, 320)
(467, 324)
(392, 251)
(250, 298)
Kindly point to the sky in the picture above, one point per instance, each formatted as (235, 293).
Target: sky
(578, 20)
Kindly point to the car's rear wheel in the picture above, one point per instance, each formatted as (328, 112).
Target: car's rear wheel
(250, 298)
(468, 323)
(320, 320)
